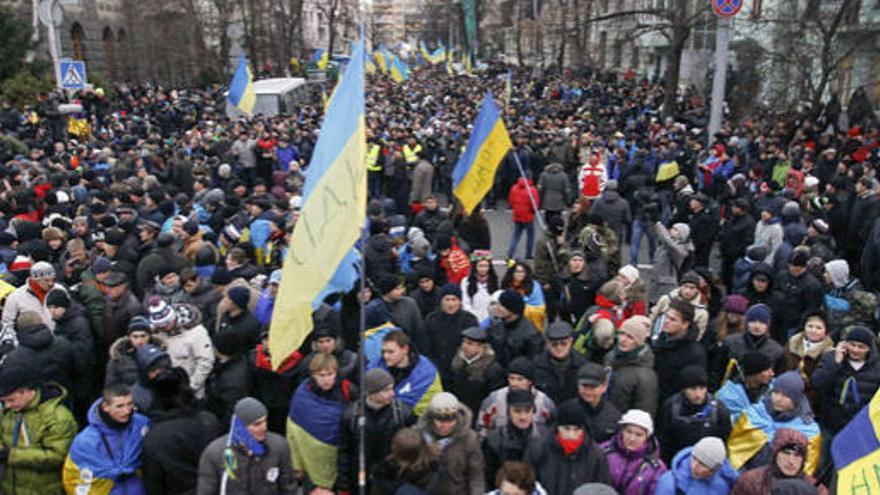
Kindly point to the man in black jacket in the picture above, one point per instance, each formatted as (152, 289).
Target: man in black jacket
(737, 234)
(703, 226)
(444, 328)
(512, 335)
(600, 415)
(798, 291)
(675, 347)
(556, 368)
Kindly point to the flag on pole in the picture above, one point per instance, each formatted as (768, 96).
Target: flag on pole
(508, 87)
(332, 215)
(241, 89)
(856, 451)
(380, 61)
(399, 70)
(474, 173)
(320, 58)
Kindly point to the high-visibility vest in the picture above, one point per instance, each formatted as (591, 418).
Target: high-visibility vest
(373, 159)
(411, 155)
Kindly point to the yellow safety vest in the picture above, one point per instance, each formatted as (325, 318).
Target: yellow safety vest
(411, 155)
(373, 159)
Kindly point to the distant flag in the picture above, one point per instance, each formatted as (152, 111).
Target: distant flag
(449, 62)
(474, 173)
(370, 67)
(856, 451)
(241, 89)
(332, 215)
(508, 86)
(381, 61)
(320, 58)
(399, 70)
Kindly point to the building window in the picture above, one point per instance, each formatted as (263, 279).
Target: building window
(757, 5)
(109, 60)
(77, 39)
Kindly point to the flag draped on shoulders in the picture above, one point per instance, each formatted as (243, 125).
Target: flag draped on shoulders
(856, 452)
(419, 387)
(313, 432)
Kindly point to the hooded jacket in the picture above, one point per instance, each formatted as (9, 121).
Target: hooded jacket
(847, 389)
(270, 474)
(614, 210)
(561, 474)
(190, 347)
(122, 366)
(554, 188)
(634, 472)
(762, 480)
(519, 201)
(462, 457)
(40, 350)
(679, 479)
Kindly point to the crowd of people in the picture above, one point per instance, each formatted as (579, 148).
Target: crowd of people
(141, 258)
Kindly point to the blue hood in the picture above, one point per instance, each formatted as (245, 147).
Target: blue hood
(721, 483)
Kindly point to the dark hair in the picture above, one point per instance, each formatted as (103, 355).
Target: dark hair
(518, 474)
(410, 452)
(473, 284)
(527, 285)
(397, 336)
(684, 308)
(116, 390)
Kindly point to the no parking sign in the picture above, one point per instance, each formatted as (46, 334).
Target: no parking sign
(727, 8)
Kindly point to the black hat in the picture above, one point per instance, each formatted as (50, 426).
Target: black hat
(559, 330)
(512, 301)
(520, 398)
(754, 362)
(221, 276)
(115, 279)
(571, 413)
(387, 283)
(523, 367)
(164, 269)
(591, 374)
(114, 237)
(860, 334)
(16, 377)
(798, 258)
(693, 376)
(58, 297)
(476, 334)
(165, 239)
(690, 277)
(450, 290)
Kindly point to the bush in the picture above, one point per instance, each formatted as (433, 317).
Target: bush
(23, 88)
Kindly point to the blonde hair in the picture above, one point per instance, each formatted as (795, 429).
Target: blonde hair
(322, 362)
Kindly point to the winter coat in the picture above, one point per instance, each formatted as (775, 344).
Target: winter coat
(805, 361)
(737, 346)
(560, 474)
(422, 178)
(704, 226)
(634, 472)
(519, 201)
(701, 313)
(514, 339)
(472, 382)
(861, 220)
(462, 457)
(25, 299)
(742, 273)
(601, 420)
(228, 382)
(668, 259)
(245, 327)
(507, 443)
(763, 480)
(172, 448)
(430, 222)
(380, 256)
(206, 297)
(850, 389)
(380, 427)
(767, 297)
(272, 388)
(770, 235)
(444, 338)
(122, 366)
(737, 234)
(681, 423)
(554, 188)
(117, 314)
(795, 296)
(34, 463)
(578, 292)
(190, 348)
(615, 211)
(75, 328)
(493, 411)
(671, 355)
(43, 352)
(406, 315)
(478, 304)
(679, 479)
(633, 382)
(559, 387)
(271, 473)
(387, 478)
(102, 454)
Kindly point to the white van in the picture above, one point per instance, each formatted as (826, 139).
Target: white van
(277, 96)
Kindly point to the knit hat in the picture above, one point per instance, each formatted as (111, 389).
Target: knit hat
(758, 312)
(512, 301)
(101, 265)
(790, 383)
(684, 231)
(736, 304)
(523, 367)
(376, 380)
(161, 313)
(577, 253)
(13, 378)
(151, 356)
(838, 270)
(139, 323)
(221, 276)
(630, 272)
(820, 225)
(28, 319)
(249, 410)
(690, 277)
(571, 413)
(240, 297)
(710, 452)
(860, 334)
(637, 327)
(754, 362)
(757, 253)
(163, 269)
(520, 398)
(693, 375)
(443, 404)
(387, 283)
(450, 290)
(640, 418)
(42, 270)
(58, 297)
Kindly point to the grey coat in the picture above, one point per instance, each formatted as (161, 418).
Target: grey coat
(269, 474)
(633, 381)
(615, 211)
(554, 188)
(423, 176)
(668, 258)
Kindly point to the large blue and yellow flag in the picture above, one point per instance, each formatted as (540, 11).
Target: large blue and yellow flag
(313, 433)
(381, 61)
(856, 452)
(399, 70)
(474, 173)
(320, 58)
(419, 387)
(241, 89)
(332, 215)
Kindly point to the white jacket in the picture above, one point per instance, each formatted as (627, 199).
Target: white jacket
(191, 349)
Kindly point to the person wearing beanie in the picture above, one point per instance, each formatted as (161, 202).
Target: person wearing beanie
(769, 231)
(424, 292)
(111, 420)
(691, 414)
(554, 457)
(443, 329)
(511, 334)
(596, 330)
(508, 442)
(788, 460)
(852, 371)
(29, 297)
(521, 279)
(446, 425)
(688, 290)
(236, 318)
(634, 455)
(755, 338)
(186, 339)
(122, 366)
(798, 291)
(600, 415)
(703, 226)
(72, 324)
(786, 406)
(384, 415)
(737, 234)
(675, 347)
(404, 311)
(746, 382)
(495, 408)
(249, 458)
(673, 253)
(701, 470)
(632, 363)
(33, 465)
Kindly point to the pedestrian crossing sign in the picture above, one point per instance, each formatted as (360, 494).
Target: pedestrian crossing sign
(73, 74)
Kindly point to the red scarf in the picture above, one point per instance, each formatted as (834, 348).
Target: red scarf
(265, 362)
(570, 446)
(37, 290)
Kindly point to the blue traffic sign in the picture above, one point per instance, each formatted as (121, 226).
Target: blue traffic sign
(73, 74)
(727, 8)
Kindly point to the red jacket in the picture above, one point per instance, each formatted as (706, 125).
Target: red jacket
(520, 202)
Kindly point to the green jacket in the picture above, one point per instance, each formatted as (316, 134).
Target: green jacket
(90, 296)
(34, 464)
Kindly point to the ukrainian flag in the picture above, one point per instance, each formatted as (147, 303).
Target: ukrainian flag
(241, 89)
(399, 70)
(320, 58)
(333, 212)
(380, 61)
(419, 387)
(474, 173)
(856, 451)
(313, 432)
(439, 53)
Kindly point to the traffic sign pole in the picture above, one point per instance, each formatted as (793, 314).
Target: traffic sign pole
(719, 80)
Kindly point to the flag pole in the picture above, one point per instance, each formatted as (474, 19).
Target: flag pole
(362, 407)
